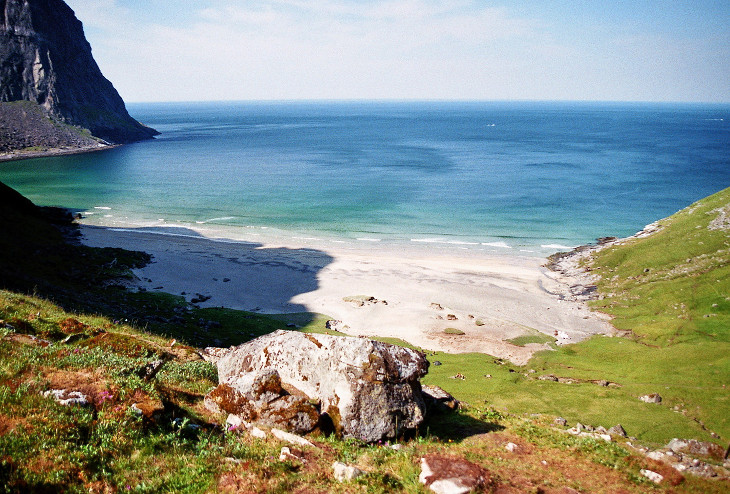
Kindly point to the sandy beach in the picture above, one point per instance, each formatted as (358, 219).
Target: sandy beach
(391, 292)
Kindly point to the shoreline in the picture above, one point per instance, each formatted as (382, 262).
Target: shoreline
(49, 153)
(374, 291)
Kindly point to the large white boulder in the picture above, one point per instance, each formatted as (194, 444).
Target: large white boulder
(367, 389)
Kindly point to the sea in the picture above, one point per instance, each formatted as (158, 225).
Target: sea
(525, 178)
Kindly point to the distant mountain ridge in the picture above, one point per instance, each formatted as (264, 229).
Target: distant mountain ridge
(46, 59)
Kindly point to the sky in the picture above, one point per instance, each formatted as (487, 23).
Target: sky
(577, 50)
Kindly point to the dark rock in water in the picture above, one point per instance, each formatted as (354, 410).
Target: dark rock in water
(45, 59)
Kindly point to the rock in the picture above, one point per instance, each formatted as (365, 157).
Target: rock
(605, 437)
(335, 325)
(150, 370)
(46, 60)
(213, 354)
(651, 398)
(560, 421)
(368, 390)
(287, 454)
(258, 433)
(656, 455)
(260, 398)
(234, 422)
(346, 473)
(452, 475)
(67, 398)
(436, 398)
(436, 306)
(617, 430)
(695, 447)
(653, 476)
(290, 438)
(548, 377)
(452, 317)
(437, 363)
(511, 447)
(73, 338)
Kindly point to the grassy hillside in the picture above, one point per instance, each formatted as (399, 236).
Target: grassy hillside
(671, 292)
(174, 445)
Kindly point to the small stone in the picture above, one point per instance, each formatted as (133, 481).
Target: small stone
(233, 422)
(396, 447)
(605, 437)
(560, 421)
(656, 455)
(287, 454)
(346, 473)
(653, 476)
(67, 398)
(617, 430)
(511, 447)
(436, 363)
(290, 438)
(651, 398)
(258, 433)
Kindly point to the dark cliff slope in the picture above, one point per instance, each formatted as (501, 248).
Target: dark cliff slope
(45, 58)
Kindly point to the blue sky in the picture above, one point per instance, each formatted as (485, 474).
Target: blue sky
(641, 50)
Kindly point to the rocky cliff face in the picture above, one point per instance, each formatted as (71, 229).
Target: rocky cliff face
(45, 58)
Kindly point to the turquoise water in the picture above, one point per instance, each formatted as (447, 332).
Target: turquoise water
(510, 177)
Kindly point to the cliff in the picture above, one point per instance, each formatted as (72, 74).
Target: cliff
(45, 59)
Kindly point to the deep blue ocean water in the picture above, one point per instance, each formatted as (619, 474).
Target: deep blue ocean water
(512, 177)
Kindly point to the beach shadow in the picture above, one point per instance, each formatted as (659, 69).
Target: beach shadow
(214, 292)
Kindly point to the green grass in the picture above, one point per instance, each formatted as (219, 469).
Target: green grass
(454, 331)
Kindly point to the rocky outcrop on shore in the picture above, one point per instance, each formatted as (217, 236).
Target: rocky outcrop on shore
(26, 130)
(360, 388)
(45, 59)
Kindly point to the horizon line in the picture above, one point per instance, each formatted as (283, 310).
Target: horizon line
(432, 100)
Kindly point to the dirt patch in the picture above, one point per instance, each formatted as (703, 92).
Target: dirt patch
(8, 424)
(93, 385)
